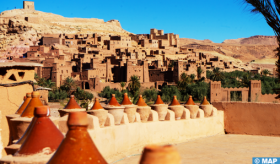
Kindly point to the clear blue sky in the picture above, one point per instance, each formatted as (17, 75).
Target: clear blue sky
(216, 20)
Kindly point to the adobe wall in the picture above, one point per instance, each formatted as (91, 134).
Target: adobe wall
(130, 138)
(269, 98)
(10, 100)
(250, 118)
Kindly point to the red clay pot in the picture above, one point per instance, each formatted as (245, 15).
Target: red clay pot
(159, 100)
(72, 104)
(126, 100)
(205, 102)
(34, 102)
(161, 108)
(177, 108)
(96, 105)
(113, 101)
(25, 103)
(78, 146)
(160, 155)
(141, 101)
(190, 101)
(43, 134)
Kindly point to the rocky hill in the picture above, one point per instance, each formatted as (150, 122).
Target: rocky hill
(258, 48)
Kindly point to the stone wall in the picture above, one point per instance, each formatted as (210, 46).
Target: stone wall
(250, 118)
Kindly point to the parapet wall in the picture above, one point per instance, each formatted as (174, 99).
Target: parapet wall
(250, 118)
(118, 141)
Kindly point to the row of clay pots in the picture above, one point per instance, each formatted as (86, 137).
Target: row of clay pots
(118, 110)
(77, 146)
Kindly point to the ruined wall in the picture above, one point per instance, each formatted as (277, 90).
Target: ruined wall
(10, 100)
(251, 118)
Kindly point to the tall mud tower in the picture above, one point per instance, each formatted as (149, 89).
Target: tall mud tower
(28, 5)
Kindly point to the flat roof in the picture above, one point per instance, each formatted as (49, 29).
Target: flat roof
(20, 64)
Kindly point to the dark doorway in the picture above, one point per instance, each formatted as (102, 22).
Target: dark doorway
(235, 96)
(86, 85)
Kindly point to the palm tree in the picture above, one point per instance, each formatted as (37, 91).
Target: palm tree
(271, 12)
(217, 75)
(69, 85)
(265, 72)
(134, 85)
(192, 76)
(199, 72)
(122, 85)
(185, 80)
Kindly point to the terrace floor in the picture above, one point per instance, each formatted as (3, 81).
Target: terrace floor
(222, 149)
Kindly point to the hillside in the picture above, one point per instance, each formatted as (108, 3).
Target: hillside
(258, 48)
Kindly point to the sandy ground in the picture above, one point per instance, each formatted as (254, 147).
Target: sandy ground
(222, 149)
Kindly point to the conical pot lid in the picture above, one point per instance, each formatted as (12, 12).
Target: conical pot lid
(205, 102)
(190, 101)
(154, 154)
(25, 103)
(72, 104)
(175, 101)
(159, 101)
(96, 105)
(43, 134)
(77, 147)
(114, 101)
(34, 102)
(126, 100)
(141, 101)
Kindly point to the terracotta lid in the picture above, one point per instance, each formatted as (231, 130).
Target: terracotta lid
(141, 101)
(34, 102)
(205, 102)
(159, 101)
(24, 97)
(160, 155)
(72, 104)
(114, 101)
(175, 101)
(96, 105)
(77, 147)
(126, 100)
(42, 134)
(25, 103)
(77, 119)
(190, 101)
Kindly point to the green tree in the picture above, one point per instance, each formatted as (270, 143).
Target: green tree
(134, 85)
(57, 94)
(271, 12)
(82, 94)
(167, 93)
(184, 81)
(265, 72)
(69, 85)
(217, 75)
(192, 76)
(150, 95)
(199, 72)
(122, 85)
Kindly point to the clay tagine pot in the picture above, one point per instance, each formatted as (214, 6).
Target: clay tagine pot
(143, 109)
(206, 107)
(190, 105)
(129, 108)
(98, 111)
(115, 109)
(161, 108)
(26, 99)
(77, 147)
(177, 108)
(24, 104)
(154, 154)
(72, 106)
(42, 134)
(34, 102)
